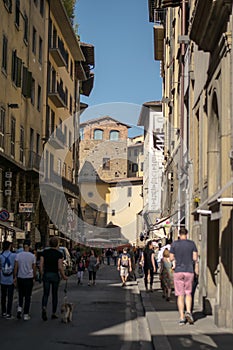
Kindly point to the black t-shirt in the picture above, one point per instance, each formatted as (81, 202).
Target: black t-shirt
(51, 257)
(147, 258)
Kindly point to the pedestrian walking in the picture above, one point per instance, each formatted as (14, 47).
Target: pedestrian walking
(93, 265)
(148, 263)
(80, 271)
(184, 252)
(25, 272)
(124, 266)
(108, 255)
(7, 262)
(114, 257)
(51, 269)
(166, 275)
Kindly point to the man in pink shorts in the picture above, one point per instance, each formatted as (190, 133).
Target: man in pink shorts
(184, 253)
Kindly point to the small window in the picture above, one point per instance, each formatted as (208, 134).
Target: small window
(4, 53)
(16, 73)
(106, 163)
(42, 7)
(141, 167)
(70, 139)
(39, 98)
(34, 40)
(135, 152)
(114, 135)
(113, 212)
(8, 5)
(17, 12)
(129, 194)
(134, 167)
(12, 136)
(2, 127)
(25, 29)
(71, 69)
(21, 144)
(98, 134)
(71, 105)
(40, 49)
(33, 92)
(81, 134)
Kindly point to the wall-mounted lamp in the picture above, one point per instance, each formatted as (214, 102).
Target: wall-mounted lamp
(13, 105)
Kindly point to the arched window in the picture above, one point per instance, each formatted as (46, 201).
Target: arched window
(98, 134)
(114, 135)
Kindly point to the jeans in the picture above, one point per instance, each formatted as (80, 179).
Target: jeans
(25, 291)
(7, 291)
(50, 279)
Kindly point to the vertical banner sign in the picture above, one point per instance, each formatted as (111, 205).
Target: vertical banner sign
(8, 183)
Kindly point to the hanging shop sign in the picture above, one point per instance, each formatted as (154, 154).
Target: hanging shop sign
(26, 207)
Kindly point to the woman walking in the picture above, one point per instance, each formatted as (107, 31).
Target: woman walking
(93, 264)
(148, 263)
(166, 275)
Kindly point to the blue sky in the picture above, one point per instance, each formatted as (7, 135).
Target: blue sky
(126, 74)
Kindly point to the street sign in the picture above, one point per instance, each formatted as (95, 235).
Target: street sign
(4, 215)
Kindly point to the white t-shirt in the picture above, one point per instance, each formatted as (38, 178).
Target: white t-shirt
(25, 262)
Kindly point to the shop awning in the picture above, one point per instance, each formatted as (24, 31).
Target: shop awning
(8, 226)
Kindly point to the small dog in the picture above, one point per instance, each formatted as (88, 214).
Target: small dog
(66, 311)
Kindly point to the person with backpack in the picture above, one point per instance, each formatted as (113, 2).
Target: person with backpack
(7, 262)
(124, 266)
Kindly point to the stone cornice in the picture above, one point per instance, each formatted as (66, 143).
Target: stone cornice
(209, 22)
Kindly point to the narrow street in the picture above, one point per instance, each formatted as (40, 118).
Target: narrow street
(106, 316)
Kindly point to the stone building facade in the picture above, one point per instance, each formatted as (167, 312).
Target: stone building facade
(193, 41)
(41, 79)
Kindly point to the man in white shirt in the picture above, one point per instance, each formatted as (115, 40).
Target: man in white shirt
(25, 271)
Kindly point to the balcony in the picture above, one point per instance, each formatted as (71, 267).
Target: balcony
(209, 23)
(58, 52)
(158, 42)
(33, 161)
(57, 96)
(57, 139)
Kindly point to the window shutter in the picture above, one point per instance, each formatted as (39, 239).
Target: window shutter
(18, 72)
(27, 83)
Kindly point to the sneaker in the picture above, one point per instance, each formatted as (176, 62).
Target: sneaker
(26, 317)
(44, 315)
(182, 322)
(123, 284)
(19, 312)
(54, 317)
(9, 317)
(4, 315)
(89, 284)
(189, 318)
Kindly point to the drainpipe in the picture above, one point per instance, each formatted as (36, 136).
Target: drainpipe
(181, 165)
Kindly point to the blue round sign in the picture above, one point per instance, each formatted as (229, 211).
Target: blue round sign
(4, 215)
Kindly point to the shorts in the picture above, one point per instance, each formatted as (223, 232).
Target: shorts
(124, 271)
(183, 283)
